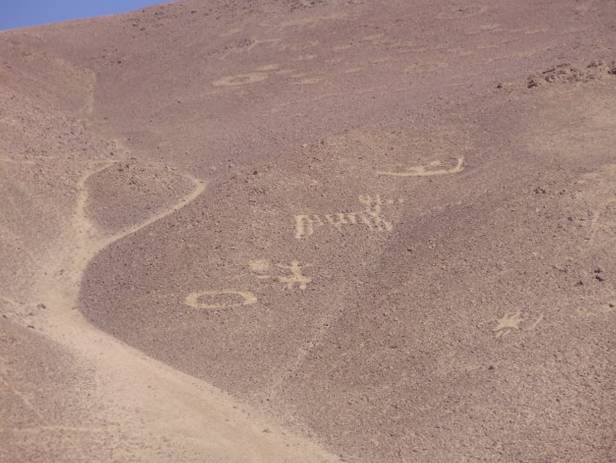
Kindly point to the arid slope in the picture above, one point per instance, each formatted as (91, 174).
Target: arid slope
(310, 231)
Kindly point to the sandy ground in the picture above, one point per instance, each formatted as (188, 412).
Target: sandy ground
(310, 231)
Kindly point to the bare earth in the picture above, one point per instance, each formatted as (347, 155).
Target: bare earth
(310, 231)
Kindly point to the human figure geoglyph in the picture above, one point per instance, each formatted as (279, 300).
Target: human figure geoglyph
(296, 276)
(371, 216)
(262, 269)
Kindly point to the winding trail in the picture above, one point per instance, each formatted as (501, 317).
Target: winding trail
(151, 400)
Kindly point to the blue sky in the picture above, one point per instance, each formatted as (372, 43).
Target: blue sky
(21, 13)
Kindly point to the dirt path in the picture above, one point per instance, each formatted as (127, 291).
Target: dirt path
(148, 398)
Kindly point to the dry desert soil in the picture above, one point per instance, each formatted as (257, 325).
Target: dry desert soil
(310, 231)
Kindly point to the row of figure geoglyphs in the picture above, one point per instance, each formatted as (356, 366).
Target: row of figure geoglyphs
(370, 217)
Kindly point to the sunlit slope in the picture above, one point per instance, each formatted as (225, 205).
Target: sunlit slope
(388, 229)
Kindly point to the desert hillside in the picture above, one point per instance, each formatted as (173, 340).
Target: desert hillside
(310, 231)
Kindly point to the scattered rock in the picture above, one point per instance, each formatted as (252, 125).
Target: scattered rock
(532, 82)
(566, 73)
(598, 274)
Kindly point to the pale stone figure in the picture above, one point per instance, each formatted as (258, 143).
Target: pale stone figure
(296, 275)
(371, 217)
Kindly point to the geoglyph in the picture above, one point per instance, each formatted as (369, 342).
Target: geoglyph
(262, 268)
(218, 299)
(434, 168)
(371, 218)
